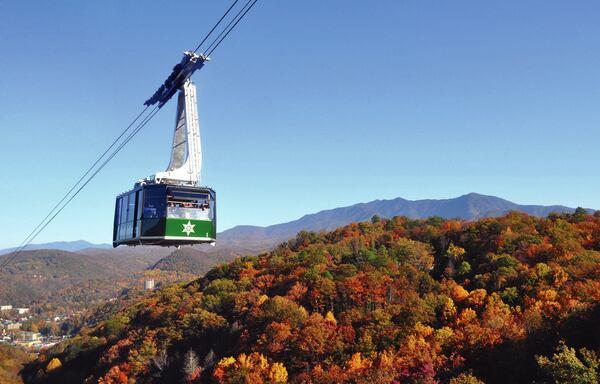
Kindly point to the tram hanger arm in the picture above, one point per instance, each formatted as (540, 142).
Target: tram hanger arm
(190, 63)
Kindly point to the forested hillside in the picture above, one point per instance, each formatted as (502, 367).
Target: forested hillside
(53, 282)
(59, 283)
(512, 299)
(11, 362)
(192, 260)
(36, 275)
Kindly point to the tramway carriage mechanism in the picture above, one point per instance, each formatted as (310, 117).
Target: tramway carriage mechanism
(171, 208)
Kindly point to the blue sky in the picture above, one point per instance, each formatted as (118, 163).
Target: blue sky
(308, 105)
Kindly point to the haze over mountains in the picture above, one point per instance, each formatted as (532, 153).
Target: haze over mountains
(255, 238)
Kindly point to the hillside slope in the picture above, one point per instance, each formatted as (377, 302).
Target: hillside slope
(34, 275)
(60, 281)
(54, 282)
(12, 360)
(394, 301)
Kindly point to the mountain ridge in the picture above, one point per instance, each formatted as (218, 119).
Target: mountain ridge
(69, 246)
(471, 206)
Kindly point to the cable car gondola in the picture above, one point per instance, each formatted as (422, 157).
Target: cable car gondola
(165, 214)
(171, 208)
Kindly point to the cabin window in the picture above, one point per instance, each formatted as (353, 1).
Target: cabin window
(117, 217)
(123, 203)
(138, 218)
(131, 208)
(124, 206)
(154, 203)
(126, 215)
(188, 205)
(118, 209)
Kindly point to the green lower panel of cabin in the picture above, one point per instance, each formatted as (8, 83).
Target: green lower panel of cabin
(188, 228)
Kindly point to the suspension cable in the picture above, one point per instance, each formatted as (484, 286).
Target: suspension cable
(216, 25)
(55, 212)
(236, 19)
(84, 175)
(69, 195)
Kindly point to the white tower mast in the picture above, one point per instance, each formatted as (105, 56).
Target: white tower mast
(186, 153)
(185, 166)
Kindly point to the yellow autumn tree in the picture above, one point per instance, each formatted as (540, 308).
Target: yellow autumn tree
(477, 297)
(459, 293)
(449, 310)
(53, 364)
(252, 368)
(262, 299)
(330, 318)
(278, 373)
(455, 253)
(355, 362)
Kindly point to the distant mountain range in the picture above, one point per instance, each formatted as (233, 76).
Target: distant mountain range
(61, 271)
(70, 246)
(469, 207)
(254, 238)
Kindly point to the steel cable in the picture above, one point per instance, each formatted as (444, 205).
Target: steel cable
(69, 196)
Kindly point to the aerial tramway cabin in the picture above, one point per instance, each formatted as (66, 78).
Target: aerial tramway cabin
(171, 208)
(164, 214)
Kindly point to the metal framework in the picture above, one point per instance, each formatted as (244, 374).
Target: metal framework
(185, 166)
(186, 152)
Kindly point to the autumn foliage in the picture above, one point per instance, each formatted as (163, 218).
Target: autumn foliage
(392, 301)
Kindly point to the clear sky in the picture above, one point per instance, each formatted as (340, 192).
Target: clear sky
(308, 105)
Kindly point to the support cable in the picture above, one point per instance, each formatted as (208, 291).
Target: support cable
(215, 26)
(53, 213)
(236, 19)
(69, 196)
(84, 175)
